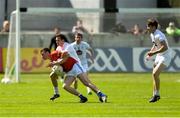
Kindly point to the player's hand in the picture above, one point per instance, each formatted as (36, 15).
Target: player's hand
(51, 64)
(147, 58)
(150, 53)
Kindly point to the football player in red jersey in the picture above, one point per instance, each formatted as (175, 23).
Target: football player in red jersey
(73, 69)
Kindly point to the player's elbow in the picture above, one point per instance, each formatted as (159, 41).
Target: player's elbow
(164, 48)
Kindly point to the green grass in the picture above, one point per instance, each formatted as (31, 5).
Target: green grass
(128, 95)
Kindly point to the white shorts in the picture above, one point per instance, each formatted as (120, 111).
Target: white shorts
(85, 66)
(165, 59)
(76, 70)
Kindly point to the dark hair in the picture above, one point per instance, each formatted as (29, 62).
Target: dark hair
(45, 50)
(63, 37)
(57, 28)
(79, 34)
(152, 22)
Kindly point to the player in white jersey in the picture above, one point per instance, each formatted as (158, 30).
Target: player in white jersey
(161, 49)
(62, 46)
(53, 75)
(82, 48)
(75, 69)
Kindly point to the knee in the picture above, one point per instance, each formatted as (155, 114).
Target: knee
(65, 86)
(86, 82)
(53, 76)
(154, 74)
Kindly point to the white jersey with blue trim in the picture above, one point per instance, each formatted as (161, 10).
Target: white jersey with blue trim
(158, 37)
(81, 50)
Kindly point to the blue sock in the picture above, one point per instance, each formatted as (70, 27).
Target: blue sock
(81, 96)
(100, 94)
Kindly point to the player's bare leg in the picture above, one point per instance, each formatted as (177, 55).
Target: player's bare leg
(156, 81)
(67, 86)
(54, 81)
(75, 84)
(88, 89)
(85, 80)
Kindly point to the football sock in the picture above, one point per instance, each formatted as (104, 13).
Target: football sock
(56, 90)
(88, 89)
(81, 96)
(100, 94)
(156, 92)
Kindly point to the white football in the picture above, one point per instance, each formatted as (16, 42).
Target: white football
(58, 70)
(5, 80)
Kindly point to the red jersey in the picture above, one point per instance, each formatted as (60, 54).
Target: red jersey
(67, 65)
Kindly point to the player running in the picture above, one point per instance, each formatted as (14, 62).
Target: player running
(82, 48)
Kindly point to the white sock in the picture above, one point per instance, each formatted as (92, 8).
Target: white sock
(156, 92)
(88, 89)
(56, 90)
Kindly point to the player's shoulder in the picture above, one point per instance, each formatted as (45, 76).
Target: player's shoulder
(158, 32)
(73, 43)
(66, 44)
(160, 35)
(70, 47)
(54, 55)
(84, 43)
(54, 52)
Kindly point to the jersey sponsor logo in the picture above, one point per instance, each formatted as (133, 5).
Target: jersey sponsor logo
(79, 52)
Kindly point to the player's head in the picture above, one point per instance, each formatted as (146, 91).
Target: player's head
(78, 37)
(152, 25)
(57, 30)
(60, 40)
(171, 25)
(79, 23)
(6, 25)
(45, 53)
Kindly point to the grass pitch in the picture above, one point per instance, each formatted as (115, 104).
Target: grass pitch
(128, 95)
